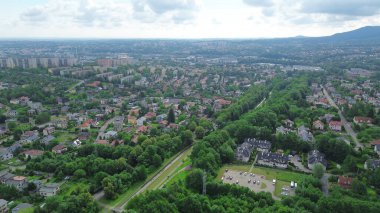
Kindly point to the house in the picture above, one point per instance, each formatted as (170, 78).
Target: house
(283, 130)
(135, 111)
(314, 157)
(335, 125)
(83, 136)
(5, 154)
(3, 206)
(86, 125)
(362, 120)
(259, 145)
(140, 121)
(48, 130)
(46, 140)
(102, 142)
(33, 153)
(375, 142)
(150, 115)
(12, 113)
(29, 136)
(272, 159)
(132, 120)
(161, 117)
(118, 123)
(220, 103)
(21, 207)
(49, 189)
(372, 164)
(318, 125)
(59, 149)
(109, 134)
(305, 134)
(20, 182)
(244, 150)
(142, 129)
(345, 182)
(60, 123)
(288, 123)
(76, 143)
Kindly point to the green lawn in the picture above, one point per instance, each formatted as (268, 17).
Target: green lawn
(269, 173)
(64, 136)
(171, 170)
(27, 210)
(279, 185)
(68, 187)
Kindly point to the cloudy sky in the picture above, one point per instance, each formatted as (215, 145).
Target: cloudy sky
(183, 18)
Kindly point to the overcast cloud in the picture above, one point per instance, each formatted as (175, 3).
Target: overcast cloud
(184, 18)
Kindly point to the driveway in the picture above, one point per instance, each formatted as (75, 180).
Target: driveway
(296, 160)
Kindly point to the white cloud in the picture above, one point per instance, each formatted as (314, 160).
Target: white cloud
(185, 18)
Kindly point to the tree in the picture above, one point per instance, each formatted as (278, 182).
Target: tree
(194, 180)
(199, 132)
(359, 187)
(318, 170)
(79, 173)
(171, 116)
(109, 188)
(187, 137)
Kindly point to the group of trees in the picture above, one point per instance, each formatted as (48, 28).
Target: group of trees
(112, 168)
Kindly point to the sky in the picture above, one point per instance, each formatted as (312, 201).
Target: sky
(183, 18)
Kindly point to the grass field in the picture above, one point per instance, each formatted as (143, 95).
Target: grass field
(175, 167)
(68, 187)
(283, 177)
(269, 173)
(180, 173)
(64, 136)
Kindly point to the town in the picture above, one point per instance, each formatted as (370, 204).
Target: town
(106, 130)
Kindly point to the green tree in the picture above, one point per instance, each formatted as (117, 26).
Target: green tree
(318, 170)
(187, 137)
(359, 187)
(194, 180)
(199, 132)
(171, 115)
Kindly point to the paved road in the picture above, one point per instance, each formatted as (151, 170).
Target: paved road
(78, 84)
(325, 183)
(104, 127)
(120, 208)
(346, 124)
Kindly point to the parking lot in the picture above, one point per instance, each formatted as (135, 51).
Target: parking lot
(255, 182)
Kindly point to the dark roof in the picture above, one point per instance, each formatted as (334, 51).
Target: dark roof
(315, 156)
(273, 157)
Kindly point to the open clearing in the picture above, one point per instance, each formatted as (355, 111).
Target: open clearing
(261, 178)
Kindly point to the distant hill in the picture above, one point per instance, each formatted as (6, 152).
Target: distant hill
(364, 33)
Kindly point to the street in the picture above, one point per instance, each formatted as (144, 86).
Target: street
(346, 124)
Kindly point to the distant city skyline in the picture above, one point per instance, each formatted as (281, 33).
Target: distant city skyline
(183, 19)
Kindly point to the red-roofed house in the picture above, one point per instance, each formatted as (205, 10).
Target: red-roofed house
(142, 129)
(362, 120)
(375, 142)
(318, 125)
(345, 182)
(102, 142)
(335, 125)
(150, 115)
(33, 153)
(59, 149)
